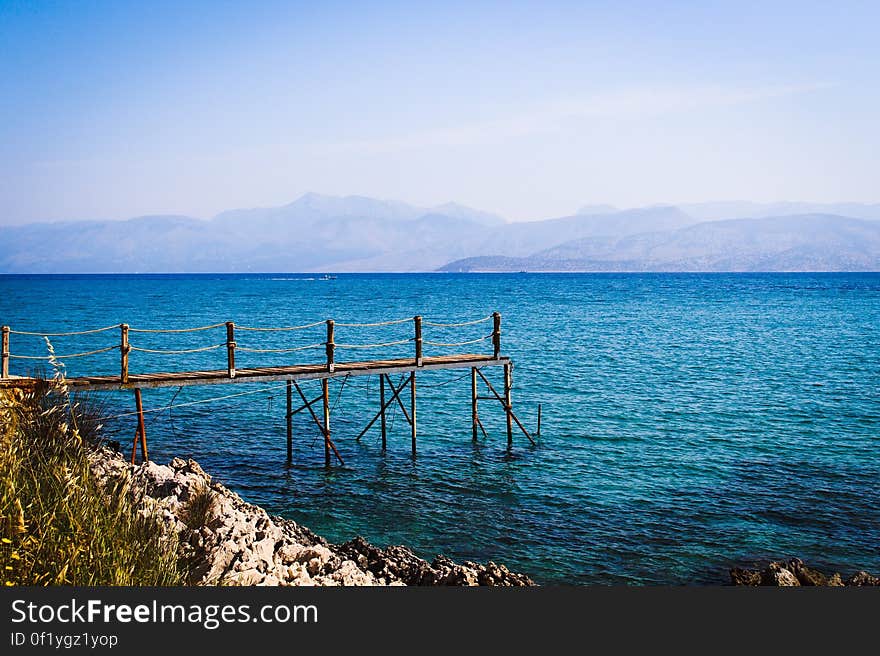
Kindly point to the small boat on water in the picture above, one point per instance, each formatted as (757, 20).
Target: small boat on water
(327, 276)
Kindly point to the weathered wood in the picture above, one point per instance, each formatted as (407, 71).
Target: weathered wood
(323, 428)
(538, 434)
(485, 434)
(306, 405)
(475, 418)
(141, 429)
(230, 349)
(417, 320)
(4, 353)
(124, 350)
(501, 400)
(382, 411)
(301, 372)
(507, 405)
(496, 334)
(412, 388)
(394, 394)
(289, 416)
(399, 402)
(331, 346)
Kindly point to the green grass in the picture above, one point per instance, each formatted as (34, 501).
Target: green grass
(58, 526)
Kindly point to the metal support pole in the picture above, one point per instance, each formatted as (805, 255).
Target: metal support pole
(507, 405)
(141, 429)
(289, 422)
(412, 387)
(382, 406)
(475, 418)
(325, 383)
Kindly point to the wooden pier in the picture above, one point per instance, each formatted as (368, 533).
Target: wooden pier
(294, 374)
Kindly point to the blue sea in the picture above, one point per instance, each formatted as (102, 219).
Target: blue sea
(691, 422)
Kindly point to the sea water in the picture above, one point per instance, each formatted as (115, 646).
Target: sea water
(691, 422)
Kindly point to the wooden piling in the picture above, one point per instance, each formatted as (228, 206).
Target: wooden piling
(412, 388)
(475, 418)
(230, 349)
(496, 334)
(331, 347)
(289, 422)
(4, 353)
(141, 429)
(507, 405)
(124, 350)
(417, 320)
(382, 406)
(538, 433)
(325, 388)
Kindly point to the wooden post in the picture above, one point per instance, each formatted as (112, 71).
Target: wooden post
(141, 429)
(412, 387)
(418, 325)
(331, 346)
(289, 422)
(475, 418)
(496, 334)
(230, 349)
(382, 406)
(538, 434)
(4, 353)
(124, 350)
(507, 405)
(325, 382)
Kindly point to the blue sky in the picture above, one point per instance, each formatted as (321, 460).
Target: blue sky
(116, 109)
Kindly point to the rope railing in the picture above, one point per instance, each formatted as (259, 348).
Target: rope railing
(329, 345)
(470, 341)
(176, 330)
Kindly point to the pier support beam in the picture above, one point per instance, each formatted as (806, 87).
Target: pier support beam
(382, 411)
(412, 389)
(475, 418)
(289, 416)
(507, 405)
(141, 432)
(325, 388)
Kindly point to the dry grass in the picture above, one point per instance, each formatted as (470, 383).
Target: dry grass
(199, 508)
(58, 526)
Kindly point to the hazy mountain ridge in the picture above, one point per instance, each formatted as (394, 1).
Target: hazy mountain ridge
(356, 233)
(814, 242)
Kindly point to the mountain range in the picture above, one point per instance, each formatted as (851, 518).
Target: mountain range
(339, 234)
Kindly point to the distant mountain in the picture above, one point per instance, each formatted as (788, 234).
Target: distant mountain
(814, 242)
(355, 233)
(720, 211)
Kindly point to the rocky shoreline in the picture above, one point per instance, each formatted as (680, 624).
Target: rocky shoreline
(794, 573)
(227, 541)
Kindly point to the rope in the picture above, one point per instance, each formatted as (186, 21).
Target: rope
(286, 328)
(373, 325)
(64, 357)
(457, 325)
(178, 352)
(281, 350)
(175, 330)
(470, 341)
(369, 346)
(189, 403)
(81, 332)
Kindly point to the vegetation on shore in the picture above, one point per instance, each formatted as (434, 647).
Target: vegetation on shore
(58, 525)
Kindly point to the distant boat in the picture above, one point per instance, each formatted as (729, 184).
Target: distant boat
(327, 276)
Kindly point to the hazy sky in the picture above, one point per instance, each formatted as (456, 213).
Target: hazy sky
(110, 110)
